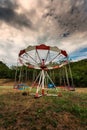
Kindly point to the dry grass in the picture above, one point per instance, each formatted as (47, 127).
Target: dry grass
(18, 112)
(81, 90)
(6, 82)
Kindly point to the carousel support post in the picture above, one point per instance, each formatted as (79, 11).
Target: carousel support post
(43, 76)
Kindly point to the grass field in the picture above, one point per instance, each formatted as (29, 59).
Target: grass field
(18, 112)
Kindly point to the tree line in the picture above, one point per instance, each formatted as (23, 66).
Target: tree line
(79, 73)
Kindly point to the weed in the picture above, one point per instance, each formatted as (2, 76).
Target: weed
(1, 116)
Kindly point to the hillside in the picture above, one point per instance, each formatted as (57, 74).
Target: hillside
(79, 72)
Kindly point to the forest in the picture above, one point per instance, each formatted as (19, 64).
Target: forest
(79, 73)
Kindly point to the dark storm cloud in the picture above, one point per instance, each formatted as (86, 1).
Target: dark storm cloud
(11, 17)
(72, 18)
(9, 4)
(65, 16)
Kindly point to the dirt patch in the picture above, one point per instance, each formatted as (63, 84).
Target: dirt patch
(6, 82)
(10, 82)
(81, 90)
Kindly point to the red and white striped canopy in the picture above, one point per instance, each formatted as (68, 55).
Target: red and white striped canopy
(43, 57)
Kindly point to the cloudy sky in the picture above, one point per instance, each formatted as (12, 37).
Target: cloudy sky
(61, 23)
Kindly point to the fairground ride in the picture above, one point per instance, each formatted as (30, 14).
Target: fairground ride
(44, 58)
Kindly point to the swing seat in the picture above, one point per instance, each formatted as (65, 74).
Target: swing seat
(50, 85)
(21, 88)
